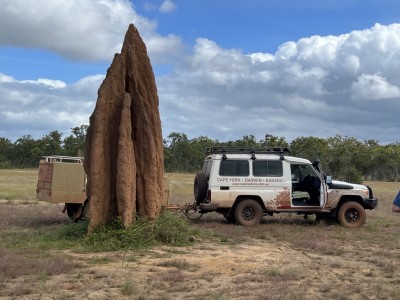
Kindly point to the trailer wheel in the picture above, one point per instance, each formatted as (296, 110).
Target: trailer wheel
(75, 211)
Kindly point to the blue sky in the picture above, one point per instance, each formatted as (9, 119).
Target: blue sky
(223, 68)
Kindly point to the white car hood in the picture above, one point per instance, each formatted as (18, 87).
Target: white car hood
(354, 185)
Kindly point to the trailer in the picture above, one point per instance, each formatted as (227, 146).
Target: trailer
(62, 180)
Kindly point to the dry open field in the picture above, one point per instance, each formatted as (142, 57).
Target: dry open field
(285, 257)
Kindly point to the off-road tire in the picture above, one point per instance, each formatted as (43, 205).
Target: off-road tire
(248, 212)
(351, 215)
(200, 187)
(74, 211)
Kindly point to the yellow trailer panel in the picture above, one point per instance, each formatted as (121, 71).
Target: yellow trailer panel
(61, 179)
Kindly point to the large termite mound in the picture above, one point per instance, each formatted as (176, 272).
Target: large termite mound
(124, 151)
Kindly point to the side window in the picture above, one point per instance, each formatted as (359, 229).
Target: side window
(301, 172)
(267, 168)
(230, 167)
(207, 168)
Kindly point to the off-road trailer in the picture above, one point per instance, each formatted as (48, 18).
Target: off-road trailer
(62, 180)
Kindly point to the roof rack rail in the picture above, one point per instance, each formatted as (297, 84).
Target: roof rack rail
(62, 158)
(241, 150)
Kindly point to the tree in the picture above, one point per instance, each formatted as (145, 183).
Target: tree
(272, 141)
(311, 148)
(74, 144)
(177, 152)
(247, 141)
(25, 152)
(51, 143)
(5, 151)
(347, 155)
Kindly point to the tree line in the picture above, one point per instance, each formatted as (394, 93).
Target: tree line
(345, 158)
(26, 151)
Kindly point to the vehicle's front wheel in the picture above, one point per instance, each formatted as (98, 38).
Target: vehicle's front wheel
(351, 215)
(248, 212)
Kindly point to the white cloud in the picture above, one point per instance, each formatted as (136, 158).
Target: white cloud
(53, 84)
(167, 6)
(5, 78)
(320, 85)
(305, 88)
(373, 87)
(37, 107)
(75, 29)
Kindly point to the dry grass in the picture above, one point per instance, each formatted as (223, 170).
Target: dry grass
(18, 184)
(340, 263)
(180, 188)
(181, 264)
(16, 263)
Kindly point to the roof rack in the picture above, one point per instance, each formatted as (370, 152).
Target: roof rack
(60, 158)
(282, 151)
(242, 150)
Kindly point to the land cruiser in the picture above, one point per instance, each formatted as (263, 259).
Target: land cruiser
(244, 184)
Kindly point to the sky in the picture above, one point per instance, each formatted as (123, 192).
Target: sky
(224, 69)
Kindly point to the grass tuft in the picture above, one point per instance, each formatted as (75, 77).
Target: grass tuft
(181, 264)
(128, 289)
(172, 229)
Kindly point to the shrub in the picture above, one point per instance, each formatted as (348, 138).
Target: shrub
(115, 236)
(172, 229)
(168, 229)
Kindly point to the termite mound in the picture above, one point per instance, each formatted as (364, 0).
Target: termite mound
(123, 147)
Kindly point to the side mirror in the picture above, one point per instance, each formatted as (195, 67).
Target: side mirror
(328, 179)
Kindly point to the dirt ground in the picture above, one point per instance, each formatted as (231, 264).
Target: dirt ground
(282, 258)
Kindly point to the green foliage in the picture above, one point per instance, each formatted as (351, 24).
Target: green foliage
(26, 151)
(74, 144)
(171, 229)
(167, 229)
(115, 236)
(63, 236)
(5, 165)
(73, 231)
(345, 158)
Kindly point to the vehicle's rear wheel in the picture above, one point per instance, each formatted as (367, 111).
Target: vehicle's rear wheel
(351, 215)
(248, 212)
(200, 187)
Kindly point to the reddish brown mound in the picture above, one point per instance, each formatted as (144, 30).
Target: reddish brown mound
(124, 151)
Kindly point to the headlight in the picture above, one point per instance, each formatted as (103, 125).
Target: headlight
(366, 192)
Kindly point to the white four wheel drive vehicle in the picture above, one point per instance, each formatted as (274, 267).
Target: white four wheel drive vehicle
(244, 184)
